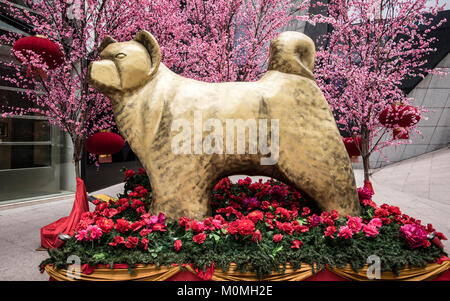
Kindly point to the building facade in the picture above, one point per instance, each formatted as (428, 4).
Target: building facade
(35, 157)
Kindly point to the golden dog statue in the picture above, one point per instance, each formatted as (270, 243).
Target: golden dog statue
(160, 113)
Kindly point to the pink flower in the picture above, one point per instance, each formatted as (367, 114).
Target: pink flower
(354, 223)
(90, 233)
(375, 222)
(345, 232)
(370, 230)
(415, 235)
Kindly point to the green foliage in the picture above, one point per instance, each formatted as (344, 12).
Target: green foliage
(261, 257)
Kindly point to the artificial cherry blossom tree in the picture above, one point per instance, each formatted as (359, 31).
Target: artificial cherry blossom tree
(63, 93)
(373, 46)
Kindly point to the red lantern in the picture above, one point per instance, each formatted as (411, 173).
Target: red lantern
(104, 143)
(400, 134)
(399, 114)
(353, 145)
(47, 50)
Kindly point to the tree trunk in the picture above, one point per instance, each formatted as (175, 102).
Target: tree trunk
(365, 136)
(77, 154)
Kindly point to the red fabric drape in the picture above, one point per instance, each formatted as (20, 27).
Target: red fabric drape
(49, 233)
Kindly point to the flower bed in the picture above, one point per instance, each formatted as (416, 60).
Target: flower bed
(255, 227)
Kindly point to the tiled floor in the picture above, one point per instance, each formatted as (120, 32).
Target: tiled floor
(419, 186)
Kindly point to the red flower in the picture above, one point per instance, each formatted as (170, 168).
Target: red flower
(117, 240)
(136, 203)
(329, 231)
(137, 225)
(245, 227)
(306, 211)
(197, 226)
(345, 232)
(131, 242)
(277, 237)
(256, 216)
(177, 245)
(199, 238)
(256, 237)
(144, 232)
(105, 224)
(144, 243)
(122, 225)
(102, 206)
(184, 222)
(129, 173)
(296, 244)
(159, 227)
(141, 171)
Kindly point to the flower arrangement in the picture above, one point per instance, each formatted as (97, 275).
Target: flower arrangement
(259, 226)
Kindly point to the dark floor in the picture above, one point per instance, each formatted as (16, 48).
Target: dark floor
(107, 174)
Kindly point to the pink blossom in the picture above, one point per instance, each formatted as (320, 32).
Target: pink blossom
(345, 232)
(354, 224)
(370, 230)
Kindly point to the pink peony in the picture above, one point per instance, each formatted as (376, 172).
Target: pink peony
(90, 233)
(376, 222)
(415, 235)
(370, 230)
(345, 232)
(354, 223)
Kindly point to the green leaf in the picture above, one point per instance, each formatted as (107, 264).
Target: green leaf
(99, 256)
(215, 236)
(275, 251)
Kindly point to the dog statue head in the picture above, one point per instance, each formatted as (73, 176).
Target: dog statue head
(125, 66)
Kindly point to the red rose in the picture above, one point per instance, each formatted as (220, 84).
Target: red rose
(122, 225)
(131, 242)
(245, 227)
(177, 245)
(199, 238)
(141, 171)
(296, 244)
(256, 216)
(256, 236)
(277, 237)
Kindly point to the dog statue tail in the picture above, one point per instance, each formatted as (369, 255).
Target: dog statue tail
(294, 53)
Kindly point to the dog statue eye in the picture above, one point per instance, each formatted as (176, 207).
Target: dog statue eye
(120, 55)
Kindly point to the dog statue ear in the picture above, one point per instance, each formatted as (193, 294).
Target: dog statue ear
(106, 41)
(150, 43)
